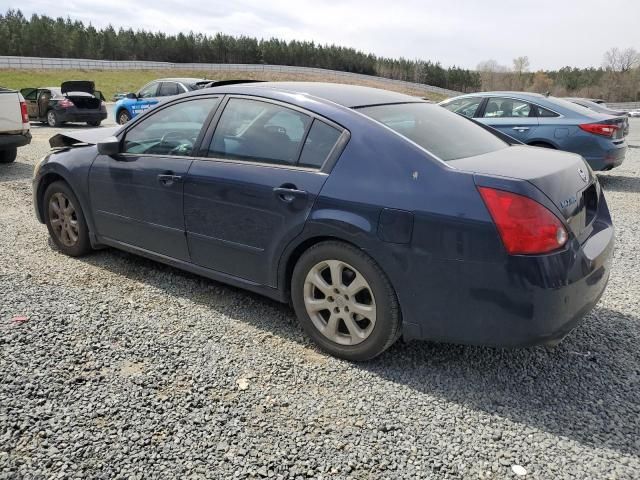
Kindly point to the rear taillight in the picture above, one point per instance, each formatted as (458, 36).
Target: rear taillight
(24, 112)
(65, 103)
(103, 105)
(603, 129)
(525, 226)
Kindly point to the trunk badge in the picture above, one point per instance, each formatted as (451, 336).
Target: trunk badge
(583, 175)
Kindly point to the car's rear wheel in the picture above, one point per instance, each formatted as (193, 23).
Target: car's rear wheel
(65, 221)
(52, 119)
(123, 117)
(8, 156)
(344, 301)
(94, 123)
(542, 145)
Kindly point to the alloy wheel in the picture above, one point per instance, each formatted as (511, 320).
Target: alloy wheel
(340, 302)
(51, 118)
(63, 219)
(123, 118)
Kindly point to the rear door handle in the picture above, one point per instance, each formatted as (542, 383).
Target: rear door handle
(521, 129)
(168, 179)
(289, 194)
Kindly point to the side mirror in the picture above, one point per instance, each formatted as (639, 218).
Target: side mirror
(109, 146)
(131, 96)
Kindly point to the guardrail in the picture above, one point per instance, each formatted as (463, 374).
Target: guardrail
(626, 106)
(41, 63)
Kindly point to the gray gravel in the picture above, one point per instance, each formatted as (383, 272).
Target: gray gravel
(126, 368)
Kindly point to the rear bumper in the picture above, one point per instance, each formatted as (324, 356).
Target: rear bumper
(81, 115)
(14, 140)
(612, 156)
(528, 300)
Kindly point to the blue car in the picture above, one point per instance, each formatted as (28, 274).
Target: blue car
(549, 122)
(376, 214)
(133, 104)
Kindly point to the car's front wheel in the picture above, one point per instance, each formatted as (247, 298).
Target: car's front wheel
(52, 119)
(123, 117)
(8, 156)
(345, 302)
(65, 221)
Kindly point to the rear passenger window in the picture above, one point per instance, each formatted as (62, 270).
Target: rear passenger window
(168, 88)
(543, 112)
(506, 108)
(258, 131)
(319, 144)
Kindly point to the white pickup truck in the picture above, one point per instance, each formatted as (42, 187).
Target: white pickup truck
(14, 124)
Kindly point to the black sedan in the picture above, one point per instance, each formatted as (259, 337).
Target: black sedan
(376, 214)
(73, 101)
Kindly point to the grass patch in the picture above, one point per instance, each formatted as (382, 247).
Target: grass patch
(113, 81)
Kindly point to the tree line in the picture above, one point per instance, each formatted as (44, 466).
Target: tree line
(43, 36)
(617, 80)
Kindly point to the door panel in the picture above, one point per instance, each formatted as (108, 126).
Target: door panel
(147, 98)
(240, 216)
(30, 96)
(139, 200)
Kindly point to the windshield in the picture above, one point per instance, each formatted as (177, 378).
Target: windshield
(445, 134)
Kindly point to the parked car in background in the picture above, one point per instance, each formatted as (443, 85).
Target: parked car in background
(158, 90)
(634, 113)
(135, 103)
(375, 213)
(73, 101)
(549, 122)
(601, 108)
(14, 124)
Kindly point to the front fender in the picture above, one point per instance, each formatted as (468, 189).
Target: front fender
(71, 165)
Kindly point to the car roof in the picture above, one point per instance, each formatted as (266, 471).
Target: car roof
(525, 95)
(181, 80)
(351, 96)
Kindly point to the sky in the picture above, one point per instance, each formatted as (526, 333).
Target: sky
(552, 33)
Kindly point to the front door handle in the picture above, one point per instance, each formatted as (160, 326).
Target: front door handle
(521, 129)
(288, 194)
(168, 179)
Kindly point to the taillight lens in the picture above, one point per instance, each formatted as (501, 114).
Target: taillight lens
(24, 112)
(603, 129)
(525, 226)
(65, 103)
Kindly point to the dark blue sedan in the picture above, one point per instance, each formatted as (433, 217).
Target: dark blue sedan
(377, 215)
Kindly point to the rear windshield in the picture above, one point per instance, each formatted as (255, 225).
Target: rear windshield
(443, 133)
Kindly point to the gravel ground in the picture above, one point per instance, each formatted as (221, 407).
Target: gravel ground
(124, 368)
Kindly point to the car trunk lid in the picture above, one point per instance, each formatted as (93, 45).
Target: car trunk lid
(563, 177)
(86, 86)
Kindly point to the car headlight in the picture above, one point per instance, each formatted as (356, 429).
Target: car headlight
(38, 164)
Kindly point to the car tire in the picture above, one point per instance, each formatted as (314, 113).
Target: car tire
(65, 220)
(356, 317)
(542, 145)
(123, 117)
(8, 156)
(94, 123)
(52, 119)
